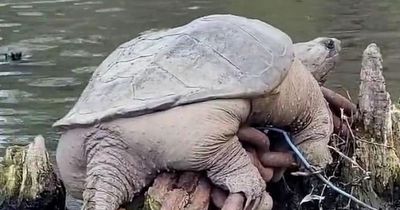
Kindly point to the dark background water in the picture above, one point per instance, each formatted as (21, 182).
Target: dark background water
(65, 40)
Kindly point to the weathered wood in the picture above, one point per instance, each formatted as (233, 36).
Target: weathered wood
(175, 191)
(27, 179)
(378, 137)
(374, 100)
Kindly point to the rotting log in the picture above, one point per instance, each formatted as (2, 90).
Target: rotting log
(178, 191)
(175, 191)
(28, 181)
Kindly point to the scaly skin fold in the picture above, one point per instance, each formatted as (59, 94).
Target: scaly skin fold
(233, 171)
(114, 172)
(298, 106)
(313, 140)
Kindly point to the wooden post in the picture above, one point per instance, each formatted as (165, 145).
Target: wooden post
(27, 179)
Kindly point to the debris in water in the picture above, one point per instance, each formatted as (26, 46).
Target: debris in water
(13, 56)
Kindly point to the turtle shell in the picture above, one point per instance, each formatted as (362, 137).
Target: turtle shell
(212, 57)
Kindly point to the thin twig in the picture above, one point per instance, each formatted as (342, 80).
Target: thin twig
(349, 203)
(377, 144)
(310, 168)
(348, 159)
(348, 95)
(359, 139)
(286, 184)
(342, 140)
(349, 127)
(344, 193)
(322, 192)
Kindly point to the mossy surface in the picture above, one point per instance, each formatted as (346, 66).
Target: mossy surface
(151, 204)
(27, 179)
(11, 171)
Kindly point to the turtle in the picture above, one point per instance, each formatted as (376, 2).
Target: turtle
(175, 100)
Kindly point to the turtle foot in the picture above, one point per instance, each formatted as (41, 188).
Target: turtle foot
(233, 171)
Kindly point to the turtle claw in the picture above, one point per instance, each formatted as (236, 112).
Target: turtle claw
(263, 202)
(248, 202)
(235, 173)
(256, 203)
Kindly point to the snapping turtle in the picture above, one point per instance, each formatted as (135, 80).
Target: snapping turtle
(175, 99)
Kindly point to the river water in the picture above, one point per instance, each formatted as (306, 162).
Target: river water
(64, 40)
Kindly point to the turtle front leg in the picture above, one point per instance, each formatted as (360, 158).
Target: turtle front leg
(115, 173)
(232, 170)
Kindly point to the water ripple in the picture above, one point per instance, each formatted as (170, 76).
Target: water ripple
(9, 131)
(30, 14)
(43, 39)
(13, 96)
(10, 120)
(9, 25)
(54, 100)
(88, 3)
(12, 140)
(80, 41)
(38, 63)
(21, 6)
(13, 73)
(12, 112)
(54, 82)
(193, 8)
(113, 9)
(41, 2)
(75, 53)
(84, 70)
(25, 47)
(80, 53)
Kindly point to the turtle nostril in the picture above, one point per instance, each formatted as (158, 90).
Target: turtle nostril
(331, 44)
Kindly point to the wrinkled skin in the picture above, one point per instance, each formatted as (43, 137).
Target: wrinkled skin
(299, 107)
(112, 161)
(272, 165)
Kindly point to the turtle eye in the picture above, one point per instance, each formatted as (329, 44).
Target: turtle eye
(330, 45)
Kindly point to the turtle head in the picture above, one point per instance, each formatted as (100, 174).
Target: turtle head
(319, 55)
